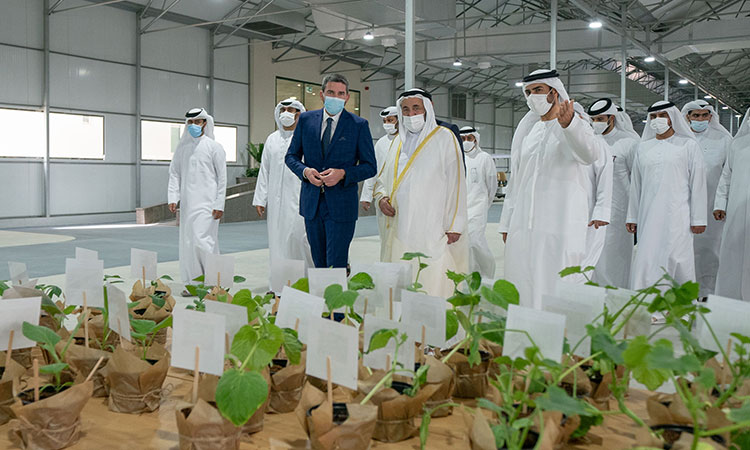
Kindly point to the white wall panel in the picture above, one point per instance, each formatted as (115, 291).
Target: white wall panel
(184, 50)
(230, 102)
(441, 101)
(376, 123)
(166, 94)
(21, 72)
(483, 112)
(105, 33)
(119, 138)
(242, 140)
(91, 188)
(503, 138)
(231, 63)
(88, 84)
(154, 181)
(23, 193)
(22, 22)
(381, 92)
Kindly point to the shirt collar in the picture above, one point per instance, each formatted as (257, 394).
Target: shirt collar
(335, 118)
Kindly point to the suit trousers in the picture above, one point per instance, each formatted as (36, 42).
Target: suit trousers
(329, 240)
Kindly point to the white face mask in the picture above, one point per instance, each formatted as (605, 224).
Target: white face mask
(469, 146)
(660, 125)
(390, 128)
(538, 104)
(600, 127)
(414, 123)
(287, 118)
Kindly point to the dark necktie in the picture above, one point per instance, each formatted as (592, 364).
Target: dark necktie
(326, 135)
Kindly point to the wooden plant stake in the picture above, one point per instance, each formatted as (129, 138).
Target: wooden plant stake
(296, 325)
(424, 334)
(119, 331)
(143, 276)
(36, 380)
(390, 303)
(387, 362)
(329, 383)
(726, 362)
(226, 342)
(218, 281)
(10, 349)
(96, 366)
(85, 322)
(365, 313)
(196, 374)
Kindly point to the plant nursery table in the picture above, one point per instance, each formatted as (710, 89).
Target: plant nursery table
(102, 429)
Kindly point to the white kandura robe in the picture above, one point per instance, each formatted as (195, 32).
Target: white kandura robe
(546, 213)
(715, 146)
(613, 267)
(278, 191)
(383, 146)
(600, 204)
(198, 181)
(733, 196)
(430, 200)
(481, 181)
(667, 197)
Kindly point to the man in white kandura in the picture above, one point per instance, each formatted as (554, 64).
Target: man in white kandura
(732, 205)
(600, 197)
(714, 140)
(383, 146)
(545, 216)
(667, 198)
(198, 181)
(613, 267)
(481, 183)
(277, 190)
(423, 192)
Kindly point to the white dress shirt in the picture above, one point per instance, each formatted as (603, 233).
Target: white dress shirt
(333, 124)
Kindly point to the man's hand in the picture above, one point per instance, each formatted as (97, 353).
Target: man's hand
(261, 210)
(598, 223)
(217, 214)
(365, 205)
(698, 230)
(313, 176)
(173, 208)
(452, 237)
(505, 237)
(720, 214)
(331, 177)
(631, 227)
(386, 208)
(566, 114)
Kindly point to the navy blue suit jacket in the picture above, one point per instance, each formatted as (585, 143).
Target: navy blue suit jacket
(350, 149)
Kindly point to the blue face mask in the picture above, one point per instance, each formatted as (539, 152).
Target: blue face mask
(334, 105)
(699, 125)
(195, 130)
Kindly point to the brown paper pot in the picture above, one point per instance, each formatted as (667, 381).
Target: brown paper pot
(471, 381)
(52, 423)
(145, 309)
(135, 386)
(21, 356)
(396, 411)
(668, 412)
(287, 382)
(82, 360)
(442, 376)
(96, 334)
(10, 378)
(202, 427)
(354, 433)
(255, 424)
(215, 292)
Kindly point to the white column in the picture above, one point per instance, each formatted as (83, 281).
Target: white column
(409, 45)
(624, 62)
(553, 36)
(666, 83)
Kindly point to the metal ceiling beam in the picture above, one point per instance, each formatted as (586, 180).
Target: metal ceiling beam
(73, 8)
(161, 14)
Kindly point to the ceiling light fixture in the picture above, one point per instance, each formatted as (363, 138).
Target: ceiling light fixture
(707, 97)
(684, 81)
(519, 84)
(595, 25)
(368, 36)
(457, 63)
(724, 107)
(649, 59)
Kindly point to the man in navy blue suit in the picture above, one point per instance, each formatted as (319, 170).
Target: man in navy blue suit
(331, 151)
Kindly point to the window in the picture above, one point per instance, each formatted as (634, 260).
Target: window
(458, 105)
(159, 140)
(76, 136)
(309, 94)
(27, 138)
